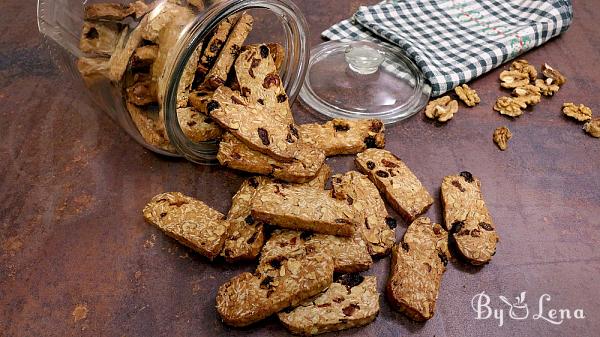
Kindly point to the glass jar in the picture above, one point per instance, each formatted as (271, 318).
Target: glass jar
(106, 76)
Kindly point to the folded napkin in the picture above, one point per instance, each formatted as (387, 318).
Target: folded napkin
(455, 41)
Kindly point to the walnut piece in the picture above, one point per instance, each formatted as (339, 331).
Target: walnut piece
(555, 75)
(501, 136)
(546, 87)
(442, 109)
(529, 94)
(513, 79)
(593, 127)
(467, 95)
(580, 112)
(510, 106)
(524, 67)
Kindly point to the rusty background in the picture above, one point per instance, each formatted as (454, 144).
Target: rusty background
(77, 259)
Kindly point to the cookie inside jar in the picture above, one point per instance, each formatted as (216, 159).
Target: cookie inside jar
(164, 61)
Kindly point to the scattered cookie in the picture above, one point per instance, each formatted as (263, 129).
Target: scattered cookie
(249, 298)
(301, 207)
(501, 136)
(510, 106)
(189, 221)
(418, 263)
(245, 236)
(468, 219)
(217, 74)
(378, 228)
(259, 80)
(467, 95)
(553, 74)
(255, 125)
(579, 112)
(214, 46)
(593, 127)
(349, 302)
(342, 136)
(442, 109)
(349, 254)
(401, 188)
(237, 155)
(114, 11)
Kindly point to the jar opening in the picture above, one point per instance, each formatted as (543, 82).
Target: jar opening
(292, 71)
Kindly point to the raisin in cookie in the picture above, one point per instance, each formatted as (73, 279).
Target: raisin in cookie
(255, 125)
(351, 301)
(377, 227)
(349, 254)
(341, 136)
(468, 219)
(189, 221)
(418, 263)
(217, 75)
(396, 181)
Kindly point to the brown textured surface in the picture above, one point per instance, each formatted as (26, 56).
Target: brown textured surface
(77, 259)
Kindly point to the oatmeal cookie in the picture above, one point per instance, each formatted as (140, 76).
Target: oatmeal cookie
(189, 221)
(342, 136)
(197, 126)
(418, 264)
(214, 45)
(349, 302)
(249, 298)
(468, 219)
(395, 180)
(378, 228)
(99, 38)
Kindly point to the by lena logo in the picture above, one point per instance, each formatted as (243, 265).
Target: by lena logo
(519, 309)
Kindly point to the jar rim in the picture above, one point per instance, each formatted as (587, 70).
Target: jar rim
(293, 71)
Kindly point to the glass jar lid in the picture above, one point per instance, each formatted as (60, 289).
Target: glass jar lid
(362, 79)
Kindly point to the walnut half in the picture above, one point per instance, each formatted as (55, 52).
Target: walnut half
(555, 75)
(510, 106)
(442, 109)
(580, 112)
(524, 67)
(501, 136)
(467, 95)
(593, 127)
(547, 88)
(529, 94)
(513, 79)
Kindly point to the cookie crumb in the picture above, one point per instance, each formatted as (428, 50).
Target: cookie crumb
(79, 313)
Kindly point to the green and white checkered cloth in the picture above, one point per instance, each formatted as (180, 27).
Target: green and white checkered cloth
(455, 41)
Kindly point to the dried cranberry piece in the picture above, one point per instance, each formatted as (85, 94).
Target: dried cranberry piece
(476, 233)
(457, 226)
(458, 185)
(349, 310)
(306, 235)
(236, 100)
(92, 34)
(249, 219)
(264, 51)
(388, 163)
(376, 126)
(486, 226)
(349, 200)
(246, 91)
(264, 136)
(253, 182)
(266, 282)
(261, 101)
(212, 105)
(370, 165)
(382, 174)
(467, 175)
(252, 238)
(405, 247)
(350, 280)
(281, 98)
(341, 127)
(216, 46)
(294, 131)
(271, 80)
(443, 258)
(391, 222)
(370, 142)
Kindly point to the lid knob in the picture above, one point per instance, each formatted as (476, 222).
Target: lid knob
(364, 57)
